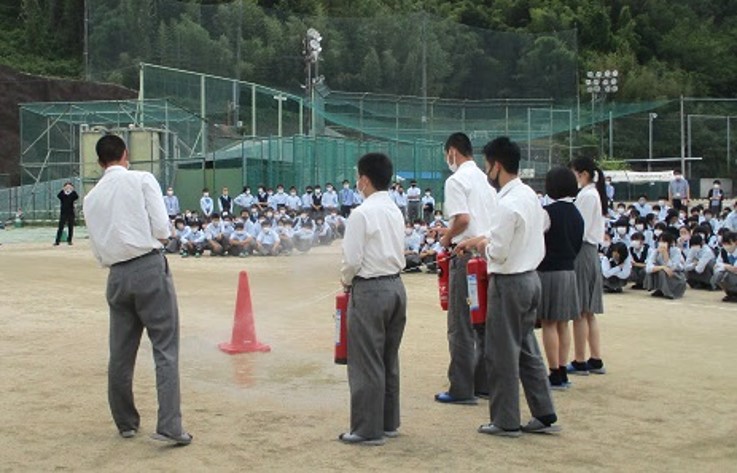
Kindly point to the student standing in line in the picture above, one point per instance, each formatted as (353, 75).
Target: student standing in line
(373, 257)
(469, 203)
(715, 197)
(206, 203)
(347, 199)
(514, 247)
(245, 200)
(413, 201)
(679, 192)
(559, 303)
(225, 203)
(428, 206)
(591, 202)
(172, 203)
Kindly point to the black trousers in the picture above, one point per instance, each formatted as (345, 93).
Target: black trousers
(68, 220)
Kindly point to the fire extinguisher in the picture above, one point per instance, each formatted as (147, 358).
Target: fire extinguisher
(341, 328)
(443, 262)
(478, 280)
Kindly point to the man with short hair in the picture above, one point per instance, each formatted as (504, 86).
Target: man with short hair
(413, 201)
(679, 192)
(469, 204)
(67, 196)
(127, 224)
(373, 256)
(514, 247)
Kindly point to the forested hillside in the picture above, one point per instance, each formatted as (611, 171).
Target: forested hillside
(663, 47)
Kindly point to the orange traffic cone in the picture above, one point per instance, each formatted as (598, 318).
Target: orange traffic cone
(244, 332)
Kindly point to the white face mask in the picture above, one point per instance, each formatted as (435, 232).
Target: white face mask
(206, 194)
(427, 194)
(430, 241)
(639, 227)
(170, 193)
(346, 186)
(643, 202)
(453, 167)
(416, 226)
(620, 211)
(292, 194)
(716, 186)
(637, 244)
(408, 231)
(661, 203)
(438, 218)
(360, 191)
(682, 216)
(657, 232)
(622, 230)
(632, 221)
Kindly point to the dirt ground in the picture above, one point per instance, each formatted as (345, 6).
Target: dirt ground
(668, 402)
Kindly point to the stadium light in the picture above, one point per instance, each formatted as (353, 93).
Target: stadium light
(600, 84)
(311, 49)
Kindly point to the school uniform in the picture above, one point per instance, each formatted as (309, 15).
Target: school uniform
(373, 257)
(253, 227)
(337, 224)
(262, 200)
(672, 287)
(207, 205)
(330, 201)
(303, 239)
(357, 199)
(724, 279)
(294, 202)
(176, 240)
(267, 241)
(637, 274)
(715, 197)
(515, 250)
(428, 255)
(412, 244)
(244, 200)
(196, 240)
(428, 208)
(413, 203)
(643, 209)
(171, 202)
(700, 267)
(280, 199)
(307, 202)
(285, 233)
(239, 242)
(300, 222)
(323, 234)
(615, 274)
(468, 192)
(678, 189)
(588, 271)
(225, 204)
(317, 208)
(731, 221)
(347, 201)
(400, 198)
(563, 239)
(271, 202)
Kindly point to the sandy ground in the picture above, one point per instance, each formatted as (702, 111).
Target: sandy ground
(668, 402)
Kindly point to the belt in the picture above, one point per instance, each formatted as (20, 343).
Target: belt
(152, 252)
(377, 278)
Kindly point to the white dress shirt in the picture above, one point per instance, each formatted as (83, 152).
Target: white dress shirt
(588, 203)
(373, 244)
(125, 215)
(468, 191)
(516, 238)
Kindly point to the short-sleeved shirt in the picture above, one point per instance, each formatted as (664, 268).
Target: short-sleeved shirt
(468, 191)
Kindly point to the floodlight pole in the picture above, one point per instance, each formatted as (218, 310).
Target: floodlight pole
(650, 117)
(683, 141)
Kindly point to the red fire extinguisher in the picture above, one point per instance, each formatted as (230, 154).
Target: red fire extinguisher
(341, 328)
(478, 280)
(443, 262)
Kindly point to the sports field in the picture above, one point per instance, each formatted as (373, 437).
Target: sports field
(668, 402)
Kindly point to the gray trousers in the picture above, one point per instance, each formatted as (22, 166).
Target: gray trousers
(466, 372)
(141, 295)
(414, 209)
(512, 353)
(376, 319)
(726, 281)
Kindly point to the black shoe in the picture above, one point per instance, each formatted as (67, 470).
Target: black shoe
(657, 293)
(730, 298)
(56, 243)
(69, 243)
